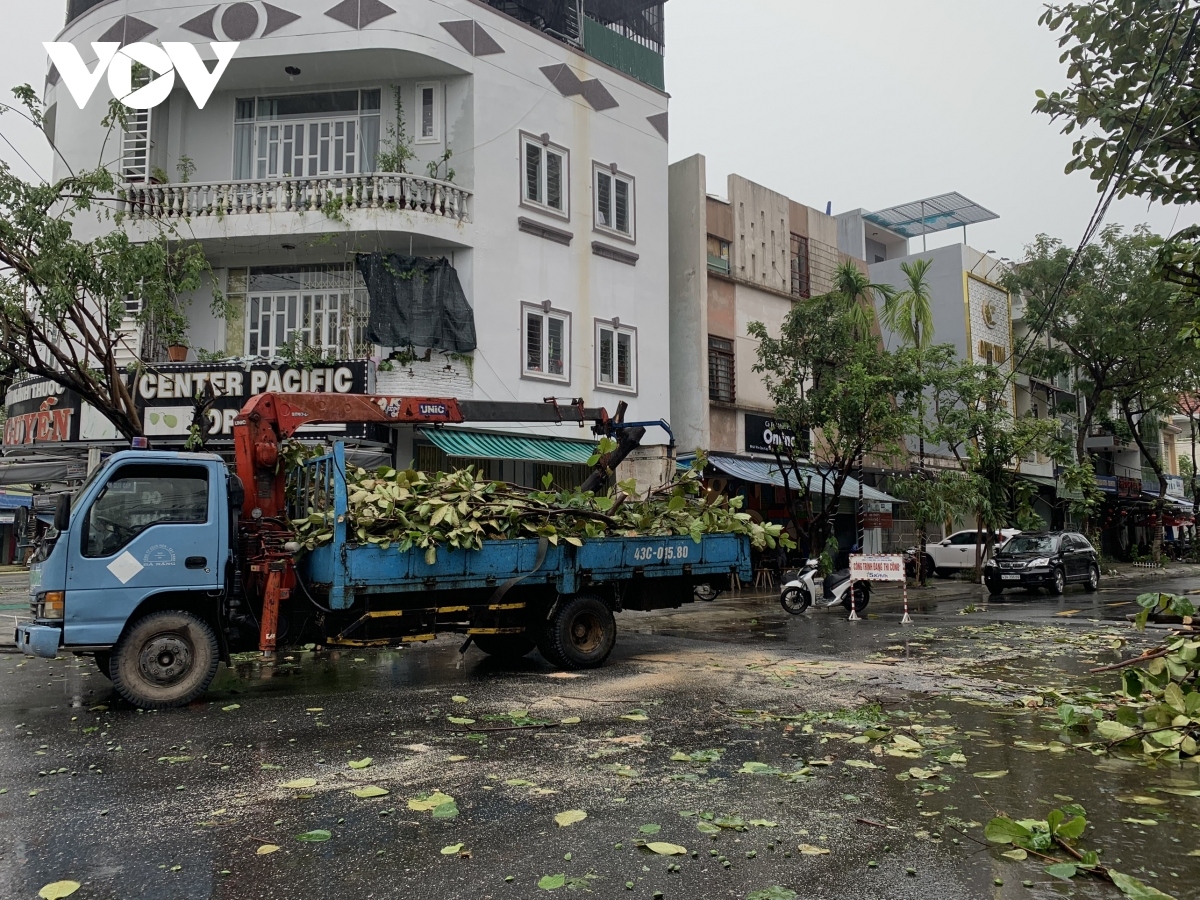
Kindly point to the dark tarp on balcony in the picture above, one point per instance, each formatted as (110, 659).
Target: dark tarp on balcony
(416, 301)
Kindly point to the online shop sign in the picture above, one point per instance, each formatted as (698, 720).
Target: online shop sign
(173, 57)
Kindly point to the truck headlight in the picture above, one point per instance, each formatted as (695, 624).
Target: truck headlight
(51, 604)
(1040, 563)
(990, 564)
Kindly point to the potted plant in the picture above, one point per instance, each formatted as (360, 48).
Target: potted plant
(172, 331)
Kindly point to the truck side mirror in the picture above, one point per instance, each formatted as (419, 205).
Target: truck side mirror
(62, 513)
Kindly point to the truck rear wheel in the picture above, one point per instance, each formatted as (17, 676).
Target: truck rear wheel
(504, 646)
(165, 659)
(581, 633)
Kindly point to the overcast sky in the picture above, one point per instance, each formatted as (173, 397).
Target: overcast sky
(862, 103)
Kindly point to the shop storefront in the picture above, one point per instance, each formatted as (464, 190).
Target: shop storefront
(761, 484)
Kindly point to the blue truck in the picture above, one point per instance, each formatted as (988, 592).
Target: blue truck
(163, 564)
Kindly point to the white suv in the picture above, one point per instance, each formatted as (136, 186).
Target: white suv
(957, 552)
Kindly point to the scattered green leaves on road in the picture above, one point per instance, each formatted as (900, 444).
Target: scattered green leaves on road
(316, 836)
(570, 817)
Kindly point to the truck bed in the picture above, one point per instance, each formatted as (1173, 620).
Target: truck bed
(345, 572)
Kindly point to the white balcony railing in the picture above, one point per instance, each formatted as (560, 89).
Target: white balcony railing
(331, 195)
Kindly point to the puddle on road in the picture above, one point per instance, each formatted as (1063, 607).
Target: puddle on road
(1151, 842)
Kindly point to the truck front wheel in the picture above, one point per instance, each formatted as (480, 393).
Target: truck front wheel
(165, 659)
(581, 633)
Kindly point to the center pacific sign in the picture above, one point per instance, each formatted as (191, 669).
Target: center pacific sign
(41, 412)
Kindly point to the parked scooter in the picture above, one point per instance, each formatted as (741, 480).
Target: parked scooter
(807, 588)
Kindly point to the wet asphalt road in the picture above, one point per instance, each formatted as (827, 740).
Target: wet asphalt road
(179, 804)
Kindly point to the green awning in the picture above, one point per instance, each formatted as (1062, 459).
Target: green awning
(1062, 491)
(491, 445)
(1041, 479)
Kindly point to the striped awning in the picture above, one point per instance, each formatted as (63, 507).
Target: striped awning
(492, 445)
(762, 472)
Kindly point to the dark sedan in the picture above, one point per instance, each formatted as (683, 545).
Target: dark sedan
(1050, 560)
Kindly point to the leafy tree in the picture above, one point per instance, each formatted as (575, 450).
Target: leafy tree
(826, 376)
(63, 292)
(1134, 66)
(973, 420)
(934, 497)
(1114, 324)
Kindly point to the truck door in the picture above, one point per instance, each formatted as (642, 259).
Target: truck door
(153, 527)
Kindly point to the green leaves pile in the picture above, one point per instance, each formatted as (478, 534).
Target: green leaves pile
(1159, 709)
(407, 509)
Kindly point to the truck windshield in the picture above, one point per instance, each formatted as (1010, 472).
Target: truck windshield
(139, 497)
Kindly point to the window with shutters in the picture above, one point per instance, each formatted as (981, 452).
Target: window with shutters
(616, 357)
(546, 343)
(545, 176)
(721, 385)
(614, 201)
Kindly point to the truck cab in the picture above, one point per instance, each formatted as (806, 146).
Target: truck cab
(135, 572)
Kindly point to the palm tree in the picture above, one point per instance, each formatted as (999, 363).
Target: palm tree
(910, 315)
(860, 294)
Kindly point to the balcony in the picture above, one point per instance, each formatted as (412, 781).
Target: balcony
(1100, 437)
(334, 196)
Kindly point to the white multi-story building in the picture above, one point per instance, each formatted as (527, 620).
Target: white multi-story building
(523, 142)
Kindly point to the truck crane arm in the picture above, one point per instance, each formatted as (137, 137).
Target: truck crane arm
(267, 420)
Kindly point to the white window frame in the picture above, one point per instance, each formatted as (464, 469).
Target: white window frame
(267, 138)
(328, 310)
(617, 330)
(539, 203)
(616, 175)
(545, 312)
(435, 136)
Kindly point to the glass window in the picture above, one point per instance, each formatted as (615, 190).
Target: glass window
(964, 538)
(139, 497)
(721, 386)
(306, 135)
(616, 356)
(545, 176)
(547, 343)
(614, 201)
(429, 113)
(322, 308)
